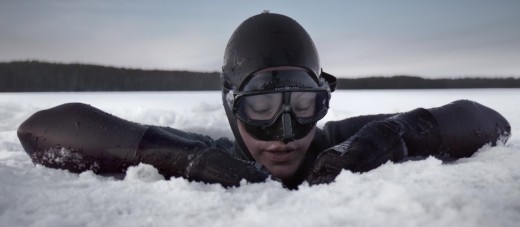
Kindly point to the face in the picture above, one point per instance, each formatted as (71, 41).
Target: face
(281, 159)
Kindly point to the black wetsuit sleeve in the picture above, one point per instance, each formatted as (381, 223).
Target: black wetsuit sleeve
(336, 132)
(78, 137)
(465, 126)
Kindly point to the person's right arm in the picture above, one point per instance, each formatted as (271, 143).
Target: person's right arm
(78, 137)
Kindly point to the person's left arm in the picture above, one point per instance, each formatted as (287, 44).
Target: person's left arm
(457, 130)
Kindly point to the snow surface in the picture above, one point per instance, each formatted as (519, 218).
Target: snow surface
(483, 190)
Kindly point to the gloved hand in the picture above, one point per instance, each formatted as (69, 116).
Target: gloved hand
(412, 133)
(375, 144)
(216, 166)
(180, 154)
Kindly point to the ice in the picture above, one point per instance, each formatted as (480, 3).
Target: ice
(482, 190)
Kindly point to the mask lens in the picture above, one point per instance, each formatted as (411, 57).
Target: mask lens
(309, 107)
(260, 107)
(303, 103)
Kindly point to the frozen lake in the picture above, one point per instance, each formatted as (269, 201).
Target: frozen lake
(483, 190)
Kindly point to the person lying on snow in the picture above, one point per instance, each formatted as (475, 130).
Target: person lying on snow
(273, 91)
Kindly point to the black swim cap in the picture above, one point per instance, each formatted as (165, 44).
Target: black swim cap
(265, 41)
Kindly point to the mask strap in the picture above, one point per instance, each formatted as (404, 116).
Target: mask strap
(330, 79)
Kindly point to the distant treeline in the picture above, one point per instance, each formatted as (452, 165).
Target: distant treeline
(26, 76)
(411, 82)
(41, 76)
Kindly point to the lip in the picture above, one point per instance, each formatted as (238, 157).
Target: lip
(279, 157)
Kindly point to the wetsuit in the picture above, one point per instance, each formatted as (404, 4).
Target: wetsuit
(78, 137)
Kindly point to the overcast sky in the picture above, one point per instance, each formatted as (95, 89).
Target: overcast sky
(441, 38)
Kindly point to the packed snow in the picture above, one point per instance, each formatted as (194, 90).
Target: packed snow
(482, 190)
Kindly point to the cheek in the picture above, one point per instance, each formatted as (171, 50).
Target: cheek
(304, 143)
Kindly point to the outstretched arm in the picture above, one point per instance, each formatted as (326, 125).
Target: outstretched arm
(78, 137)
(457, 130)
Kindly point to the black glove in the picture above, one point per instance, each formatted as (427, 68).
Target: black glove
(180, 154)
(412, 133)
(216, 166)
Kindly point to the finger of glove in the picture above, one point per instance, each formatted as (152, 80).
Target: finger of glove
(321, 178)
(215, 166)
(365, 154)
(327, 166)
